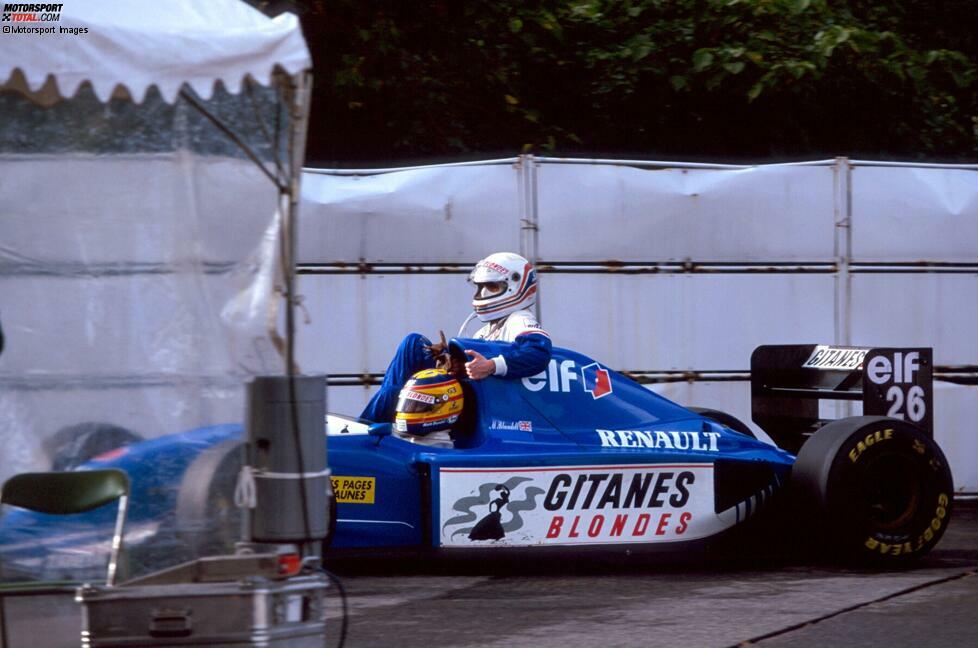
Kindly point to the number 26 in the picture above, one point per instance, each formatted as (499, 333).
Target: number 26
(916, 407)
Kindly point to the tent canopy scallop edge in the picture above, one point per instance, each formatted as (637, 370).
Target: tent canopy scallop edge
(134, 45)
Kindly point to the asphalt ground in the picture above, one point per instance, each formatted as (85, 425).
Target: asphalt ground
(742, 603)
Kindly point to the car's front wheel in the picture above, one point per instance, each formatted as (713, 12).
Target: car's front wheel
(207, 519)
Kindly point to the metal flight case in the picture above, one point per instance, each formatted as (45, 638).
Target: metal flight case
(254, 611)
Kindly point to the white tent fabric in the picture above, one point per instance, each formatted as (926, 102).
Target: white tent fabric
(135, 44)
(143, 288)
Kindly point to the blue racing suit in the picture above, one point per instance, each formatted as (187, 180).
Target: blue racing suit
(528, 355)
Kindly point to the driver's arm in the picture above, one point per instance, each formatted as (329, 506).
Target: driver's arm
(527, 355)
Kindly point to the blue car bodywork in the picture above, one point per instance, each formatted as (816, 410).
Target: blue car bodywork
(577, 455)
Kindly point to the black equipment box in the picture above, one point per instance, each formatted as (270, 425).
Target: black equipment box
(249, 612)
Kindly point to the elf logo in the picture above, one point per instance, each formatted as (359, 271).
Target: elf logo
(560, 375)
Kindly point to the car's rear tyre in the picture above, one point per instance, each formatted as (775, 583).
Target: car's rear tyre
(207, 519)
(879, 488)
(73, 445)
(723, 418)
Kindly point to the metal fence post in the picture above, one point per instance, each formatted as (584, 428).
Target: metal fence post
(842, 201)
(529, 215)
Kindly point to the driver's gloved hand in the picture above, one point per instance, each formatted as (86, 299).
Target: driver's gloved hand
(438, 348)
(439, 352)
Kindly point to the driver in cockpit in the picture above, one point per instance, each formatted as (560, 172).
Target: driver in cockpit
(505, 290)
(429, 408)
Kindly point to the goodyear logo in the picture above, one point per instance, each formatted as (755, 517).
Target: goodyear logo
(354, 490)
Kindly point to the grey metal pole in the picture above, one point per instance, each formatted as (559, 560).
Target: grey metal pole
(299, 96)
(529, 216)
(842, 200)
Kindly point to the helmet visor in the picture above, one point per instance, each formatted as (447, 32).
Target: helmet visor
(413, 402)
(489, 289)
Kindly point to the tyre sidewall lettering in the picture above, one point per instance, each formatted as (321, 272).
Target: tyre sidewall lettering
(926, 523)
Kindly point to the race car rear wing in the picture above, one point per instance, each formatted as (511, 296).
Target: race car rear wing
(789, 380)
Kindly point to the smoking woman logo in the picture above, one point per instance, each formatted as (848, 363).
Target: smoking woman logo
(480, 516)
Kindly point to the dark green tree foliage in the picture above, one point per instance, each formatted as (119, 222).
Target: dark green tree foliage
(721, 79)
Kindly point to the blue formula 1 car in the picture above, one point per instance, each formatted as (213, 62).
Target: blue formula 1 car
(578, 457)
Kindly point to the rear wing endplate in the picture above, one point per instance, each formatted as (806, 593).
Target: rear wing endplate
(788, 381)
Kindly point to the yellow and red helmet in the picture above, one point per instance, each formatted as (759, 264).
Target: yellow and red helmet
(430, 402)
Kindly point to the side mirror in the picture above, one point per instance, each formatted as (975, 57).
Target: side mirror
(380, 430)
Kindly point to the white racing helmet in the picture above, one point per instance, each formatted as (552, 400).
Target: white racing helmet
(504, 283)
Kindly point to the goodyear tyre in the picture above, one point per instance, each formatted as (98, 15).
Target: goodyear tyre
(207, 520)
(879, 488)
(723, 418)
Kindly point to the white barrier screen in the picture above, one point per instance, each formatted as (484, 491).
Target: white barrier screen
(667, 270)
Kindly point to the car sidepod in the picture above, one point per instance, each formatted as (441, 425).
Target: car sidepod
(377, 488)
(580, 455)
(573, 500)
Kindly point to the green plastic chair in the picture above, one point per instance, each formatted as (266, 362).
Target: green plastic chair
(63, 493)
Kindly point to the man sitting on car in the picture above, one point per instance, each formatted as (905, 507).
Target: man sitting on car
(505, 290)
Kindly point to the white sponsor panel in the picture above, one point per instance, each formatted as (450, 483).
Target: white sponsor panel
(573, 505)
(834, 358)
